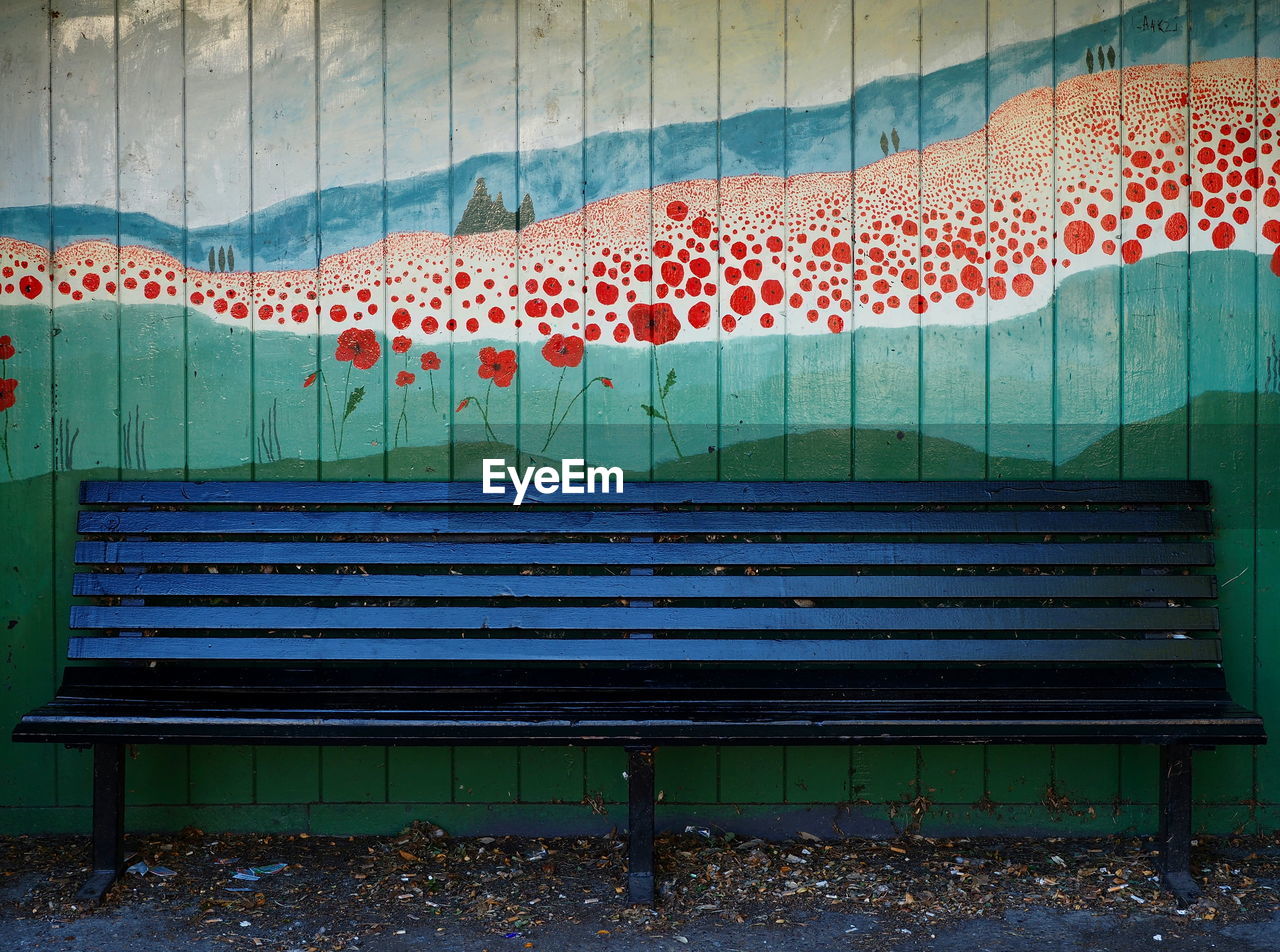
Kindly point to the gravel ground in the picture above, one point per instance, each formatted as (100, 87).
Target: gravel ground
(424, 890)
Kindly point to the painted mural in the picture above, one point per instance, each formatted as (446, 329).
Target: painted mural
(744, 239)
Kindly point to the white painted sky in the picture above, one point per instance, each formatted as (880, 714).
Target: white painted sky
(552, 79)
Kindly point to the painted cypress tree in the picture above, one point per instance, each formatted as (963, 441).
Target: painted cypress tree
(211, 261)
(1088, 59)
(884, 144)
(897, 143)
(1102, 57)
(524, 217)
(1111, 57)
(222, 258)
(231, 258)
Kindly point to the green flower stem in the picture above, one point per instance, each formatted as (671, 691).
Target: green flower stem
(662, 400)
(568, 406)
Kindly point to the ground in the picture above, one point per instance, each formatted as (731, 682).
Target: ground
(426, 891)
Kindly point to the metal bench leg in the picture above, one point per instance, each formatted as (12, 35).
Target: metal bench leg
(1175, 823)
(640, 825)
(108, 822)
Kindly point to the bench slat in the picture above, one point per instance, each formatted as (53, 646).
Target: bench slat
(326, 585)
(693, 650)
(977, 492)
(642, 553)
(512, 521)
(570, 618)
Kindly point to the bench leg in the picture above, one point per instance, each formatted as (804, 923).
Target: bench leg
(640, 825)
(108, 822)
(1175, 823)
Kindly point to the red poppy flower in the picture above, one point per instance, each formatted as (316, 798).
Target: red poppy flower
(497, 365)
(430, 361)
(6, 393)
(6, 347)
(654, 323)
(309, 381)
(404, 378)
(360, 346)
(561, 351)
(401, 344)
(463, 405)
(607, 382)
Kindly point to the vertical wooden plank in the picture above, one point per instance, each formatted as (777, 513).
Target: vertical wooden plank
(1223, 328)
(218, 173)
(419, 412)
(818, 303)
(1153, 387)
(350, 148)
(1087, 303)
(1267, 371)
(1086, 309)
(618, 223)
(152, 384)
(753, 212)
(152, 332)
(286, 424)
(485, 143)
(686, 216)
(551, 281)
(886, 368)
(220, 398)
(953, 341)
(1154, 290)
(29, 641)
(484, 71)
(418, 125)
(85, 323)
(886, 356)
(1020, 329)
(552, 379)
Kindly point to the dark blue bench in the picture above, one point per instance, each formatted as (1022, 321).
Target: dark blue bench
(678, 613)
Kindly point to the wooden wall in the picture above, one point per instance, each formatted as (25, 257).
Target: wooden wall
(306, 135)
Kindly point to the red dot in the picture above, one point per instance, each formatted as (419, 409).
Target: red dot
(970, 277)
(1131, 251)
(152, 291)
(996, 288)
(702, 227)
(728, 322)
(300, 313)
(1077, 236)
(835, 323)
(743, 300)
(240, 310)
(461, 280)
(1223, 235)
(265, 313)
(677, 211)
(1175, 229)
(700, 314)
(621, 332)
(497, 315)
(1022, 285)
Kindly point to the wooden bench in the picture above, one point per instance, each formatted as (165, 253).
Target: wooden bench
(678, 613)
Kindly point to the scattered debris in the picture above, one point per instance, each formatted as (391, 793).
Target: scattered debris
(514, 887)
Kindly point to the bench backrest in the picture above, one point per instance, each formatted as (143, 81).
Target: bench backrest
(777, 573)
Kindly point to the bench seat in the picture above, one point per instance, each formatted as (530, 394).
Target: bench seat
(682, 613)
(940, 705)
